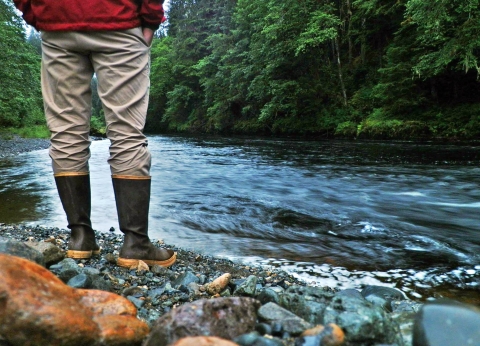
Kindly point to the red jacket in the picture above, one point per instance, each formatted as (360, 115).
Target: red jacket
(82, 15)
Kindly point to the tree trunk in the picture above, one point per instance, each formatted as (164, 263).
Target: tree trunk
(340, 76)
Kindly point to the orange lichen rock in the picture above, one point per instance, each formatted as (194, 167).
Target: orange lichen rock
(37, 308)
(330, 335)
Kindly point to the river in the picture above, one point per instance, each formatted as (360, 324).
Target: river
(334, 213)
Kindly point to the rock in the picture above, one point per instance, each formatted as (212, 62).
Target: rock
(247, 339)
(313, 331)
(19, 249)
(247, 288)
(263, 328)
(383, 296)
(204, 341)
(404, 320)
(100, 283)
(66, 269)
(141, 267)
(362, 321)
(37, 308)
(136, 301)
(446, 322)
(110, 258)
(329, 335)
(219, 284)
(307, 302)
(290, 322)
(264, 341)
(406, 306)
(349, 292)
(270, 294)
(194, 289)
(80, 281)
(223, 317)
(185, 279)
(52, 254)
(156, 292)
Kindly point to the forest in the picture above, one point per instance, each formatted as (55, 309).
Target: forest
(374, 69)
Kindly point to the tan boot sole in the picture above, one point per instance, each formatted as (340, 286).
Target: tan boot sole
(131, 263)
(76, 254)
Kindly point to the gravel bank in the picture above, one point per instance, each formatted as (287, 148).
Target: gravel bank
(159, 280)
(17, 145)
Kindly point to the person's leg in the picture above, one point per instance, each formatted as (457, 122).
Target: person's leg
(66, 76)
(122, 67)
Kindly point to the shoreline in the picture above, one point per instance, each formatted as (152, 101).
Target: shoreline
(18, 145)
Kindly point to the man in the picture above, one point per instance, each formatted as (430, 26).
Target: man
(110, 38)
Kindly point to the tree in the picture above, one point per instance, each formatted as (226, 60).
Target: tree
(20, 99)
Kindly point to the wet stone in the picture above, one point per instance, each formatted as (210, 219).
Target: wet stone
(185, 279)
(383, 296)
(362, 321)
(136, 301)
(80, 281)
(267, 295)
(445, 323)
(66, 269)
(247, 339)
(307, 302)
(291, 323)
(52, 254)
(16, 248)
(247, 288)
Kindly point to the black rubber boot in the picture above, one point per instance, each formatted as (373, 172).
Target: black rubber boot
(74, 191)
(132, 196)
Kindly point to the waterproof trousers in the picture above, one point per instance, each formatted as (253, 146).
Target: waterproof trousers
(120, 61)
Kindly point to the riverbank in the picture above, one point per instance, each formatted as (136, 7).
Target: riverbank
(14, 145)
(288, 306)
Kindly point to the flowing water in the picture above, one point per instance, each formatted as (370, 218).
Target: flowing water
(335, 213)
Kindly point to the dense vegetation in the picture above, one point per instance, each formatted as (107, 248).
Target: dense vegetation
(350, 68)
(20, 96)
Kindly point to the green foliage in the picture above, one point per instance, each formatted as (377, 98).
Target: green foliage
(20, 97)
(448, 35)
(97, 126)
(348, 68)
(36, 131)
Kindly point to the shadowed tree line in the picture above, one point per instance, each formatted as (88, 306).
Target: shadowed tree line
(373, 68)
(344, 68)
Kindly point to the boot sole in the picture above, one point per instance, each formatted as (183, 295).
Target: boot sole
(77, 254)
(130, 263)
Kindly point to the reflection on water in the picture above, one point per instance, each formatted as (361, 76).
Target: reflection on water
(338, 213)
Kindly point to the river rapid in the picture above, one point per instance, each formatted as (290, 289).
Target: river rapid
(333, 213)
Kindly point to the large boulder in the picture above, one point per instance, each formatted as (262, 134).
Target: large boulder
(222, 317)
(19, 249)
(446, 322)
(37, 308)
